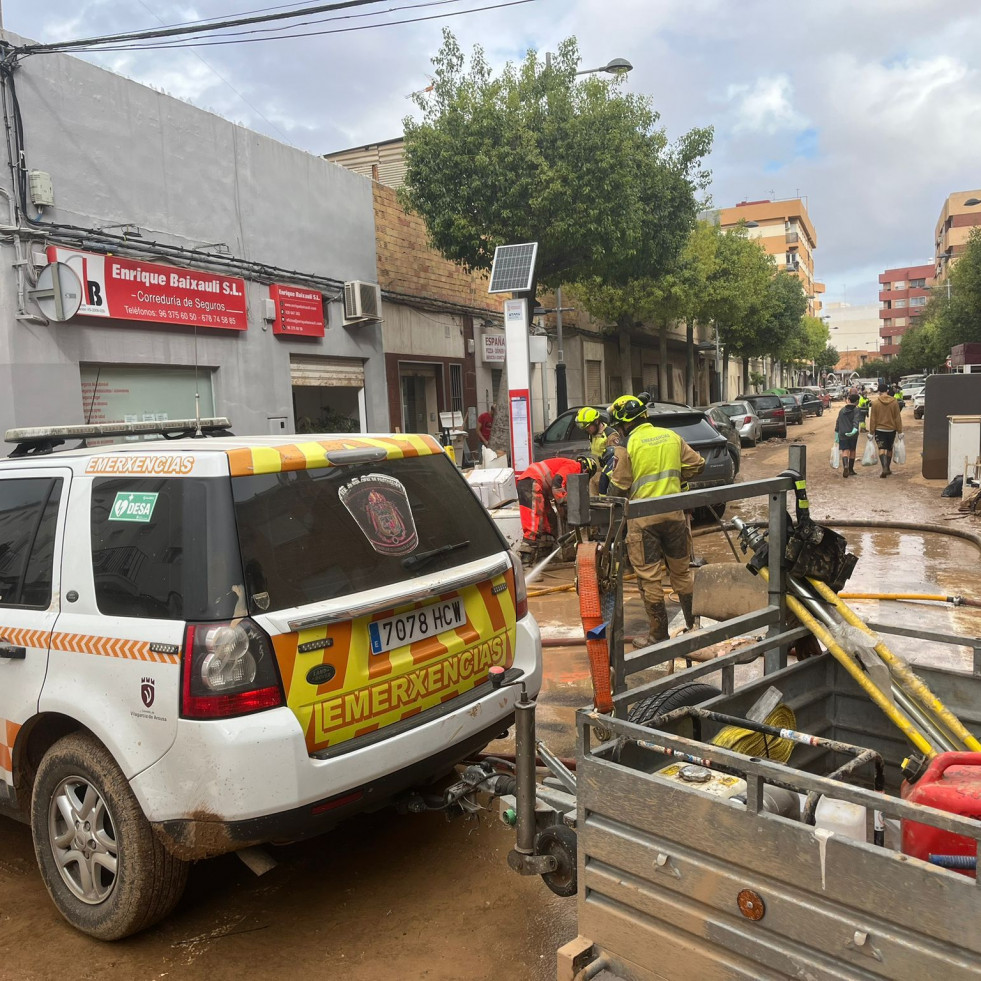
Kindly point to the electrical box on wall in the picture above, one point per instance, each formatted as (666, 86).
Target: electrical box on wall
(41, 189)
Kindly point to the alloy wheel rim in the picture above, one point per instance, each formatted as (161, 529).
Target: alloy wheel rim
(82, 833)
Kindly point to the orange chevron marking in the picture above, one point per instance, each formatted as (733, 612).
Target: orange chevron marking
(134, 650)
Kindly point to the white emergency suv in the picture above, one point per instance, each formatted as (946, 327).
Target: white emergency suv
(208, 643)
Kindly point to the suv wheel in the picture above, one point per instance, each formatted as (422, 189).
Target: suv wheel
(103, 866)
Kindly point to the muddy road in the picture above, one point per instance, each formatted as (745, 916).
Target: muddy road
(417, 897)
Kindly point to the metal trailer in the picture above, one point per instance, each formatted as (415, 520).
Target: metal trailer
(675, 884)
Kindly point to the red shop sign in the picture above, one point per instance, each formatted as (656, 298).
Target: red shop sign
(299, 313)
(126, 289)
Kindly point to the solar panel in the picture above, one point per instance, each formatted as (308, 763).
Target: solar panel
(513, 269)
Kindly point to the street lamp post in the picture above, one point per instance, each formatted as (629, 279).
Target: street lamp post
(616, 66)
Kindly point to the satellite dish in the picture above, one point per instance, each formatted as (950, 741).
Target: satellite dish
(58, 292)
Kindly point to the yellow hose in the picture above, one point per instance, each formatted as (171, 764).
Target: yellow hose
(895, 596)
(914, 685)
(861, 678)
(757, 744)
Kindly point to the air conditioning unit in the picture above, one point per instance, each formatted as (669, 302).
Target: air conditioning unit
(362, 301)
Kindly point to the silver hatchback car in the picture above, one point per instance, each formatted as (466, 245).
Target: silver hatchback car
(744, 419)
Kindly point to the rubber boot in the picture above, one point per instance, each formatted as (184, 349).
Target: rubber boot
(884, 465)
(851, 466)
(686, 607)
(888, 462)
(657, 614)
(845, 472)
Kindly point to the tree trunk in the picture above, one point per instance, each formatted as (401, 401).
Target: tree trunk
(745, 374)
(725, 376)
(690, 362)
(662, 363)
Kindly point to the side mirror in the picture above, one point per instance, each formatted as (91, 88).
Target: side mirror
(539, 438)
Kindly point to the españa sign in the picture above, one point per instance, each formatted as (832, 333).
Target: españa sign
(127, 289)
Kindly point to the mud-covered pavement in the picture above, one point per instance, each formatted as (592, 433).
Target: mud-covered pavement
(417, 897)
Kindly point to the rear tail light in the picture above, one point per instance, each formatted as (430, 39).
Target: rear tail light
(778, 413)
(520, 587)
(228, 669)
(747, 420)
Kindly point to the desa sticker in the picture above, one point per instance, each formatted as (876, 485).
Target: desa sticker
(380, 506)
(133, 507)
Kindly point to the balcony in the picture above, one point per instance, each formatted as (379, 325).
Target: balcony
(792, 238)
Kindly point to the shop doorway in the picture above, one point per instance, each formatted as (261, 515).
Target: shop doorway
(328, 394)
(419, 396)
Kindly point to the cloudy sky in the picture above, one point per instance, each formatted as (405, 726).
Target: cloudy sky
(869, 109)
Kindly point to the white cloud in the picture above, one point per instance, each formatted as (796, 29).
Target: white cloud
(766, 106)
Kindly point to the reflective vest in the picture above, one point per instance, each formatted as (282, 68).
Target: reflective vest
(655, 461)
(608, 436)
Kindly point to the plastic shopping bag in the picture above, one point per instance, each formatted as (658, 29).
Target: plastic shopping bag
(871, 455)
(835, 455)
(899, 449)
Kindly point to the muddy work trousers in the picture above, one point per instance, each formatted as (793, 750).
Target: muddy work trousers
(652, 544)
(538, 521)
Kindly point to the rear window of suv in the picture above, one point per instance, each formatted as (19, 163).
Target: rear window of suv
(765, 401)
(692, 427)
(313, 535)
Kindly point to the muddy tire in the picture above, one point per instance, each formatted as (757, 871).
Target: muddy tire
(680, 696)
(560, 842)
(102, 865)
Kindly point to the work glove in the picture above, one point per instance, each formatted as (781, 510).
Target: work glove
(854, 432)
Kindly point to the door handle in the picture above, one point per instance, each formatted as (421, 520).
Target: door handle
(10, 651)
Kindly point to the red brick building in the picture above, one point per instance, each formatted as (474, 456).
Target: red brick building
(903, 293)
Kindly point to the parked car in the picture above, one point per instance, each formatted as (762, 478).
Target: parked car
(724, 424)
(836, 392)
(810, 403)
(816, 393)
(909, 394)
(255, 640)
(770, 409)
(792, 408)
(563, 437)
(745, 419)
(919, 404)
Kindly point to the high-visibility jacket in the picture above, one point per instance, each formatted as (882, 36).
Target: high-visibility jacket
(607, 436)
(655, 459)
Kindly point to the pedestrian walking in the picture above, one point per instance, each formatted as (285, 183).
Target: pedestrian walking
(847, 430)
(541, 492)
(884, 423)
(863, 408)
(654, 462)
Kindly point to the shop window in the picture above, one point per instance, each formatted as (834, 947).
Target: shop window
(456, 388)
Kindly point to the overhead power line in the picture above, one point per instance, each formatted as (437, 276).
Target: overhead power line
(193, 28)
(210, 42)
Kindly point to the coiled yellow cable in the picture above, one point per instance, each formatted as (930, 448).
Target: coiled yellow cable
(760, 744)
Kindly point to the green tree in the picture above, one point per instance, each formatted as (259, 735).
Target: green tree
(737, 297)
(677, 295)
(827, 358)
(921, 348)
(954, 312)
(537, 154)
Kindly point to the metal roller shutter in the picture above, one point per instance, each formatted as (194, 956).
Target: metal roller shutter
(307, 370)
(594, 383)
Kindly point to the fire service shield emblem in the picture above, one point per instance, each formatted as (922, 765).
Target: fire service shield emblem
(147, 691)
(380, 506)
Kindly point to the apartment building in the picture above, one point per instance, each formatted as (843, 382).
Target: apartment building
(786, 232)
(903, 293)
(960, 214)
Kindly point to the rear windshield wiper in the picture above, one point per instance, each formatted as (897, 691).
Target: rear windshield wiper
(420, 559)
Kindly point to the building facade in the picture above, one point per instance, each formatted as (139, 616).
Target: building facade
(903, 294)
(785, 230)
(211, 263)
(957, 219)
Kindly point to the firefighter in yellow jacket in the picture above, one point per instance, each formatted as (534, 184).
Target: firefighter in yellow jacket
(654, 462)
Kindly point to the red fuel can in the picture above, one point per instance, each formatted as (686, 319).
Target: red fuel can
(952, 782)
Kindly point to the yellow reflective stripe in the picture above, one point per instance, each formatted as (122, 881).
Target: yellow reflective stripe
(803, 505)
(653, 478)
(314, 453)
(266, 459)
(799, 484)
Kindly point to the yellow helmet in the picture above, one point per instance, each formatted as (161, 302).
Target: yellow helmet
(587, 464)
(587, 415)
(627, 408)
